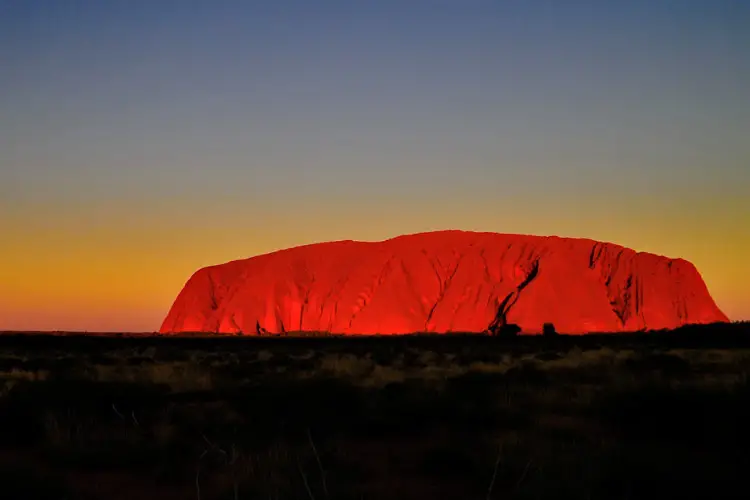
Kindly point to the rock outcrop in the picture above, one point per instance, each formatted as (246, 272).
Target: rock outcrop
(445, 281)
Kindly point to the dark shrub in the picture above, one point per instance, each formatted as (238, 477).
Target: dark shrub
(509, 330)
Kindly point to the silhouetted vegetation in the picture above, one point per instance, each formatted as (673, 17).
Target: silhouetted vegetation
(504, 330)
(509, 330)
(650, 415)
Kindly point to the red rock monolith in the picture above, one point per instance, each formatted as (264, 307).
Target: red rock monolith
(445, 281)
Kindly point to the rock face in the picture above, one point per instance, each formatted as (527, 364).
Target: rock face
(446, 281)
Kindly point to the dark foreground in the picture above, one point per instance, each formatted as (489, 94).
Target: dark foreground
(618, 417)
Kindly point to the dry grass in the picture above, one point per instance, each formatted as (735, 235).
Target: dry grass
(324, 419)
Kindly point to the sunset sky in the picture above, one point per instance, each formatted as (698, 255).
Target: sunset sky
(141, 140)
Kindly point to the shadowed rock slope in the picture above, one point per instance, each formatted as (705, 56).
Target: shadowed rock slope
(445, 281)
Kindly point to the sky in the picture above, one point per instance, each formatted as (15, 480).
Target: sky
(142, 140)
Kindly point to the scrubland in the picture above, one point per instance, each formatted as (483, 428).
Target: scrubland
(662, 415)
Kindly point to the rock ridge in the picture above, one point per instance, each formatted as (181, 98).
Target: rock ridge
(444, 281)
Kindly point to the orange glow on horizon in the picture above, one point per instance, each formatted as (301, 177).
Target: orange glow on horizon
(76, 273)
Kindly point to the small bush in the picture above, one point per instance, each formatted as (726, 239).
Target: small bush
(509, 330)
(548, 330)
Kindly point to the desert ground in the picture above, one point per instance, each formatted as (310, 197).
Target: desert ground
(639, 416)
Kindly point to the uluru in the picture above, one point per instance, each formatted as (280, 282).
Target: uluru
(442, 282)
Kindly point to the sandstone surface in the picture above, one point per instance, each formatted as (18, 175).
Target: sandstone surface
(444, 281)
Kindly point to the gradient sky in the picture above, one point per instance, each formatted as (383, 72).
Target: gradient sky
(141, 140)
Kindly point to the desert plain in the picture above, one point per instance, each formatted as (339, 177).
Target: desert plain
(618, 416)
